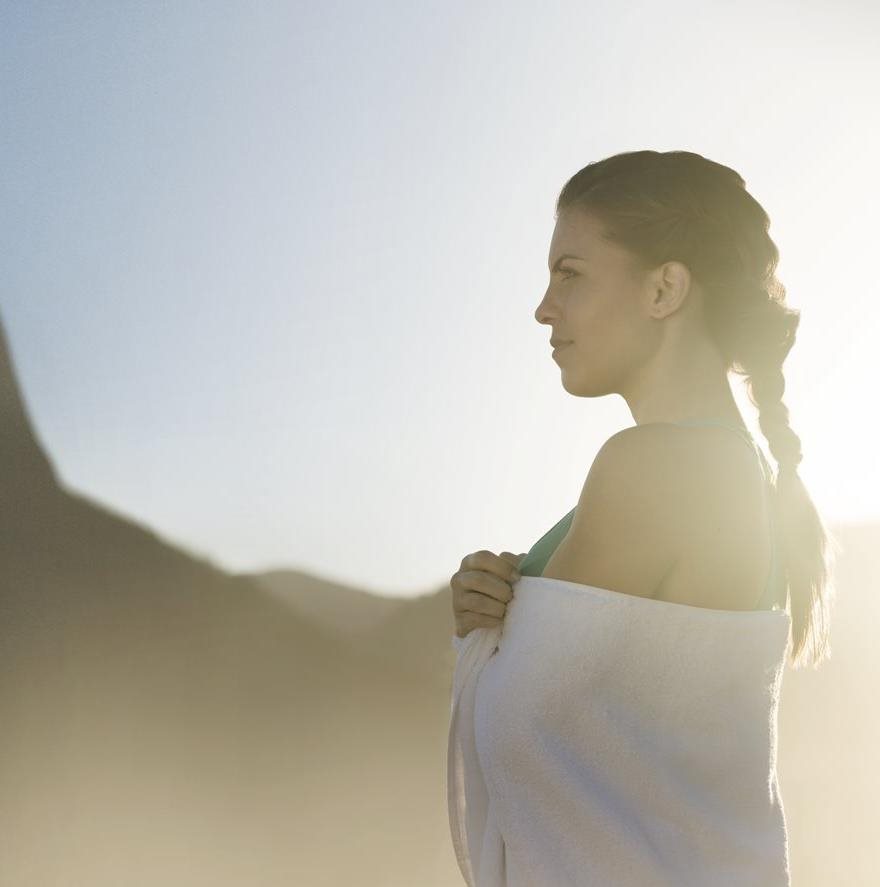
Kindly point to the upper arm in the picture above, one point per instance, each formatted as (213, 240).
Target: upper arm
(627, 533)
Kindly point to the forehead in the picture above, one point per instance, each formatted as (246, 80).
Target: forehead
(577, 233)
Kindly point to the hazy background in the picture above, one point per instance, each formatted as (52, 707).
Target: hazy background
(269, 270)
(269, 368)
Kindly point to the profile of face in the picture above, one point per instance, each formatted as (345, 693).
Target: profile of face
(601, 302)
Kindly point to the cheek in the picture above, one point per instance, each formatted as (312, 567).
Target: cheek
(594, 319)
(584, 315)
(603, 338)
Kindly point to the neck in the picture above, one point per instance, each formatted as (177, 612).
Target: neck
(683, 384)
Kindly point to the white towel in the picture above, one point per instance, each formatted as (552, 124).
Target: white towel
(605, 739)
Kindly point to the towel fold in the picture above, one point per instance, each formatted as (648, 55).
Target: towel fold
(599, 738)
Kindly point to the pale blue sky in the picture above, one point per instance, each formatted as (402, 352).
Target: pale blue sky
(270, 270)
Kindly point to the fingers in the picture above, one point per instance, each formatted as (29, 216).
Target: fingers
(467, 622)
(475, 602)
(482, 589)
(483, 583)
(503, 566)
(488, 585)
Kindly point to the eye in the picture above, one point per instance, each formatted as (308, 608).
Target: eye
(567, 271)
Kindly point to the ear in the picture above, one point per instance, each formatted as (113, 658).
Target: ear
(671, 285)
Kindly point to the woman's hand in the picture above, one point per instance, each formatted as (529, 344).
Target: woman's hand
(482, 588)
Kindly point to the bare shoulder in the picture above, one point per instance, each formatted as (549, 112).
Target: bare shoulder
(702, 460)
(664, 511)
(641, 448)
(724, 550)
(626, 532)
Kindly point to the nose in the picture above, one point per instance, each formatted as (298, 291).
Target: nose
(542, 314)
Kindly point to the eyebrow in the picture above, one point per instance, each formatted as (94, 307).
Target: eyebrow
(563, 257)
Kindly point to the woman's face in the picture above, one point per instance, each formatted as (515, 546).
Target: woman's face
(597, 300)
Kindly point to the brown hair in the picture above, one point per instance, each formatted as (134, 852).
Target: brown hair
(677, 205)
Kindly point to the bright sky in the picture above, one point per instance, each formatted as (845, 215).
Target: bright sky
(270, 271)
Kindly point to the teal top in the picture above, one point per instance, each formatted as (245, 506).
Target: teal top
(775, 589)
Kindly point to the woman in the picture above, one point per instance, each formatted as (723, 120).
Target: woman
(614, 720)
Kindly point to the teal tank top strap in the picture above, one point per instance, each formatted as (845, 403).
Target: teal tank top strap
(774, 583)
(536, 559)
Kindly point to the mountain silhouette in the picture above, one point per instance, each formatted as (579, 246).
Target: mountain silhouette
(164, 722)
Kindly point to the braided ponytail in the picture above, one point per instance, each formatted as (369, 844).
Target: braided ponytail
(808, 548)
(678, 205)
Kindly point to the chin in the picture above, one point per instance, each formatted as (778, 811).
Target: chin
(585, 387)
